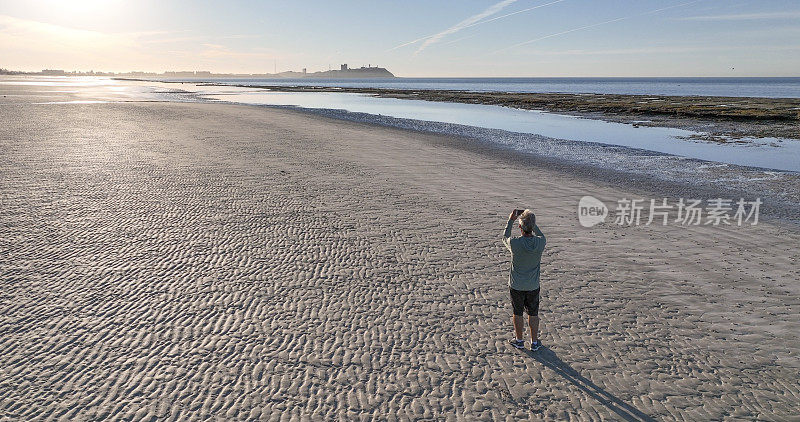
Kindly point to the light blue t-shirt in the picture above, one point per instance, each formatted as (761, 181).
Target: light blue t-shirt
(526, 257)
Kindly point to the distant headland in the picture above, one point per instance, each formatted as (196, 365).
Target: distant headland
(344, 72)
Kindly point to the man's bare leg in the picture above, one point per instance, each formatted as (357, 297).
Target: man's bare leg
(533, 322)
(518, 324)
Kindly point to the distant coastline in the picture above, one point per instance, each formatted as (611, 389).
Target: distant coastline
(344, 72)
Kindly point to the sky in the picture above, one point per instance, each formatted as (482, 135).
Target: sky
(411, 38)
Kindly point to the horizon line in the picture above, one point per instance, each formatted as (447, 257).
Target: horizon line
(11, 72)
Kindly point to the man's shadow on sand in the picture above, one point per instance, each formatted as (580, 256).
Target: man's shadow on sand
(625, 411)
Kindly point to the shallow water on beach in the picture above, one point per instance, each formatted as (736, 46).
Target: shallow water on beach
(81, 90)
(770, 153)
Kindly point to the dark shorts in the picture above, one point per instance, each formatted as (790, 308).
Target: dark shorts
(527, 300)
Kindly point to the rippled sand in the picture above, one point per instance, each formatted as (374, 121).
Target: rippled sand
(181, 261)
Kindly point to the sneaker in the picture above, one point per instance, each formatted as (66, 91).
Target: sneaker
(519, 344)
(535, 345)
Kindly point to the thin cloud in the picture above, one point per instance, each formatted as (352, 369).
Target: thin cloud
(745, 17)
(664, 50)
(39, 36)
(174, 40)
(458, 39)
(241, 36)
(595, 25)
(409, 43)
(513, 13)
(475, 24)
(220, 51)
(465, 23)
(562, 33)
(30, 45)
(431, 39)
(501, 17)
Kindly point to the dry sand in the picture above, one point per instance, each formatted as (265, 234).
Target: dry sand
(182, 261)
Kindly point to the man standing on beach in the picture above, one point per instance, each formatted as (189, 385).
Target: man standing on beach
(523, 281)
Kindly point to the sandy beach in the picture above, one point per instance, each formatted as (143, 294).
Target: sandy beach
(177, 261)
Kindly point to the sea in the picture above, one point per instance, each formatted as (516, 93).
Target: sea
(717, 86)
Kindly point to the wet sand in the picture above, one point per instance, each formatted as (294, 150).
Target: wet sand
(181, 261)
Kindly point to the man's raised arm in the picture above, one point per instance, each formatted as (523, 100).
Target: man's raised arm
(538, 233)
(507, 232)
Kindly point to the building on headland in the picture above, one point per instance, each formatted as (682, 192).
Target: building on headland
(53, 72)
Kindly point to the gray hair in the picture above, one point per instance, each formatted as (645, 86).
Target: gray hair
(527, 221)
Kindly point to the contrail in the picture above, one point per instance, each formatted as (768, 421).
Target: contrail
(457, 40)
(514, 13)
(409, 43)
(463, 24)
(594, 25)
(477, 23)
(562, 33)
